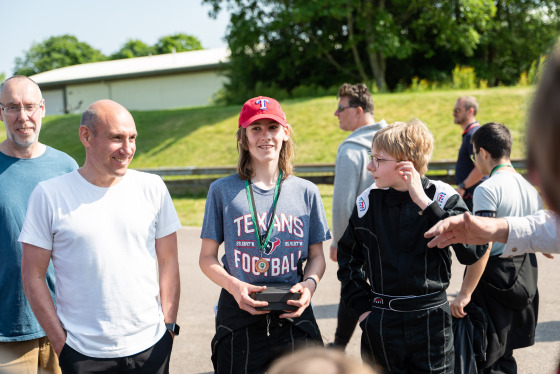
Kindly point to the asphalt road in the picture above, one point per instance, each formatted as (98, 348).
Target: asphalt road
(191, 351)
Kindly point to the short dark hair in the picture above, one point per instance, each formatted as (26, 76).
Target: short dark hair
(89, 119)
(358, 96)
(495, 138)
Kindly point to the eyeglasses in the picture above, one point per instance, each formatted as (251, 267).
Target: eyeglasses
(473, 158)
(30, 109)
(376, 160)
(341, 108)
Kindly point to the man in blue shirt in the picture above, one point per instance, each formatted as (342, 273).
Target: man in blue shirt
(467, 177)
(24, 162)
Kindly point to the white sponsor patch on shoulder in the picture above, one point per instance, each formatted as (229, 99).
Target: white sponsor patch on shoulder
(443, 192)
(362, 202)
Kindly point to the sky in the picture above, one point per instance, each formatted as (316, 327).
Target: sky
(104, 24)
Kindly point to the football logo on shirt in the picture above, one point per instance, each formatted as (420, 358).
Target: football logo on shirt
(271, 246)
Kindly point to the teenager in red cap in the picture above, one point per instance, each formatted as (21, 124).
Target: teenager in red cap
(273, 226)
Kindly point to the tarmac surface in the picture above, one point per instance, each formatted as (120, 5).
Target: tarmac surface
(191, 351)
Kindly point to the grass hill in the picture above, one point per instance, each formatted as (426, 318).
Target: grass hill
(205, 136)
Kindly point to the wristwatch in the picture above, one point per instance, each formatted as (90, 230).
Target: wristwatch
(173, 327)
(461, 185)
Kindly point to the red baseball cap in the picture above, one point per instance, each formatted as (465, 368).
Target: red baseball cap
(261, 107)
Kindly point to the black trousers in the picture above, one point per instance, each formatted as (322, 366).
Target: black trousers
(154, 360)
(253, 348)
(409, 342)
(346, 324)
(505, 365)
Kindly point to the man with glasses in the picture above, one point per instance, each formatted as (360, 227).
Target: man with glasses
(355, 114)
(24, 162)
(505, 288)
(467, 177)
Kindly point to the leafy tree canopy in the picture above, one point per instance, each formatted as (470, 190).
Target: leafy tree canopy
(56, 52)
(289, 43)
(177, 43)
(133, 48)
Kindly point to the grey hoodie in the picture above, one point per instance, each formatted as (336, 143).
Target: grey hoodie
(351, 175)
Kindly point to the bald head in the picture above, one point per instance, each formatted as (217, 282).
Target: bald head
(108, 134)
(100, 112)
(18, 79)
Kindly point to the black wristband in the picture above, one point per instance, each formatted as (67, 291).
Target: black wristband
(314, 281)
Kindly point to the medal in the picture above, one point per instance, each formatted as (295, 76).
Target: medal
(262, 265)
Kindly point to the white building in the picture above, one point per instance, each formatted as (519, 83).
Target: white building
(144, 83)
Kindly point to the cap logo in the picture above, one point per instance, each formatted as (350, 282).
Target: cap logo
(262, 103)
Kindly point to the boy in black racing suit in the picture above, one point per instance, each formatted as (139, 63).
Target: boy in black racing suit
(395, 283)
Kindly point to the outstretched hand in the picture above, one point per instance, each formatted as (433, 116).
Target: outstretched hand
(467, 229)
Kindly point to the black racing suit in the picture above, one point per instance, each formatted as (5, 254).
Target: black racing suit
(386, 267)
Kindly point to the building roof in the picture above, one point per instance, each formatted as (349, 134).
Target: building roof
(134, 67)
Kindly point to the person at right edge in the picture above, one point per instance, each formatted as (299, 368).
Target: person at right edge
(504, 288)
(389, 276)
(467, 177)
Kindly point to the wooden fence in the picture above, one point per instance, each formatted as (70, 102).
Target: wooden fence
(196, 180)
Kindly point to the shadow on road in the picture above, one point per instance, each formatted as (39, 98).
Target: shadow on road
(548, 331)
(325, 311)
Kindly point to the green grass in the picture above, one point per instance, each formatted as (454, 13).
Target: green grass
(205, 136)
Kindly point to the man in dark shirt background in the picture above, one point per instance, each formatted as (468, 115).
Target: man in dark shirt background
(467, 177)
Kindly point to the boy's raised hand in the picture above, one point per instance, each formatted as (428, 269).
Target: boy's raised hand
(414, 183)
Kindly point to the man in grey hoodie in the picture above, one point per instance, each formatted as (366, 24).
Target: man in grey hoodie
(355, 114)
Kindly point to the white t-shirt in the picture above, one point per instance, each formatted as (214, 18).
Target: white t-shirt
(103, 252)
(505, 194)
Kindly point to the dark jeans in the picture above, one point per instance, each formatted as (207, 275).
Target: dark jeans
(346, 324)
(154, 360)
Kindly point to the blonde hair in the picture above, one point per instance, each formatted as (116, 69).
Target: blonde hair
(318, 361)
(244, 165)
(410, 141)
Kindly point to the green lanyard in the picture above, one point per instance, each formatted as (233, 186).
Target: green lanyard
(499, 166)
(250, 197)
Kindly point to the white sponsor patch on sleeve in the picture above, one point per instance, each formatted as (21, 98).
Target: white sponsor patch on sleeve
(362, 202)
(443, 192)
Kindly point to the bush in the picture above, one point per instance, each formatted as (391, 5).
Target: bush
(312, 90)
(535, 70)
(523, 80)
(464, 77)
(420, 85)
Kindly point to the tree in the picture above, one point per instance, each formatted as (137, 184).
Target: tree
(356, 38)
(133, 48)
(56, 52)
(521, 31)
(177, 43)
(2, 77)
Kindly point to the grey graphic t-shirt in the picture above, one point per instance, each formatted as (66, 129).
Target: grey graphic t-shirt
(299, 222)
